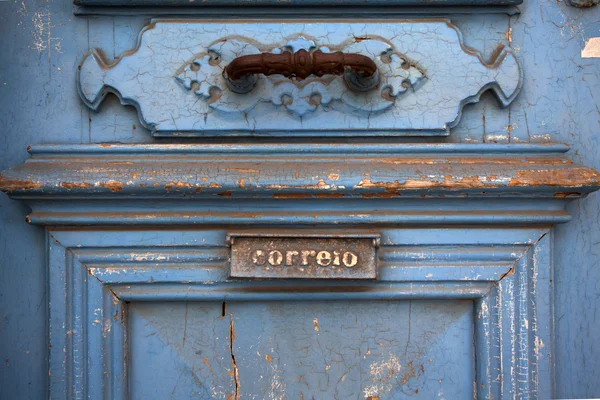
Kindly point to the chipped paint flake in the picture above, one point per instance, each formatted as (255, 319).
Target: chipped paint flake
(383, 376)
(43, 41)
(592, 48)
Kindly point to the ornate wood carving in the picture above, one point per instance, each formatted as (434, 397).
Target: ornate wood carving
(176, 80)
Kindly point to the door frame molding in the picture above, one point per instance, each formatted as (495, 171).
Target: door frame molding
(94, 274)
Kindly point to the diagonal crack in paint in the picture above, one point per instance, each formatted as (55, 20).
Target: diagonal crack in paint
(233, 363)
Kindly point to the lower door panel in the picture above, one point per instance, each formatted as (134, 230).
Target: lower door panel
(455, 313)
(302, 350)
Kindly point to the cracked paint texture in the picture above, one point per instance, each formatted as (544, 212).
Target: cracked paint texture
(279, 354)
(38, 95)
(146, 78)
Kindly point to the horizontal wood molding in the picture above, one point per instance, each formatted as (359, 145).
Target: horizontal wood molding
(265, 9)
(298, 172)
(322, 183)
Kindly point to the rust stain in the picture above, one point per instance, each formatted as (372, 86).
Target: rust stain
(232, 328)
(469, 181)
(244, 170)
(573, 177)
(329, 195)
(226, 193)
(412, 373)
(241, 183)
(112, 185)
(320, 185)
(205, 360)
(292, 196)
(9, 185)
(448, 182)
(359, 39)
(214, 185)
(76, 185)
(316, 324)
(177, 185)
(387, 195)
(268, 358)
(509, 35)
(563, 195)
(475, 161)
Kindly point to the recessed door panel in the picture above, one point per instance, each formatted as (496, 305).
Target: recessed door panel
(302, 350)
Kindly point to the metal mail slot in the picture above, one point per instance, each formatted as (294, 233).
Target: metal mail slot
(303, 257)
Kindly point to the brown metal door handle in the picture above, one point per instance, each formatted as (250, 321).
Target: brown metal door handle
(359, 71)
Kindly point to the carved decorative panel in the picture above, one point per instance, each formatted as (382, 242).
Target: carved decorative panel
(177, 79)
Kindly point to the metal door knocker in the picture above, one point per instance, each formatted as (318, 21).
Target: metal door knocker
(359, 71)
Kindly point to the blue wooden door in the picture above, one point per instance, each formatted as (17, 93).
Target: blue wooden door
(131, 156)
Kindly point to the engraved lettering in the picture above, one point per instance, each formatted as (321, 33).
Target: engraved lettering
(305, 255)
(324, 258)
(289, 257)
(275, 257)
(310, 257)
(350, 259)
(336, 258)
(306, 258)
(258, 257)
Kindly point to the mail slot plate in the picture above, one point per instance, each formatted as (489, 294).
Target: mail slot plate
(303, 257)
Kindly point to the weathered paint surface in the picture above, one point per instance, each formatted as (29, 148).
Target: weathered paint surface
(290, 350)
(166, 3)
(426, 76)
(557, 103)
(201, 172)
(499, 336)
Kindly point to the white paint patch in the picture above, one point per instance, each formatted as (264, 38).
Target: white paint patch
(383, 376)
(43, 41)
(592, 48)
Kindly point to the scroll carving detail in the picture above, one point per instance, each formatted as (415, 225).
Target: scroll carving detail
(205, 77)
(175, 79)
